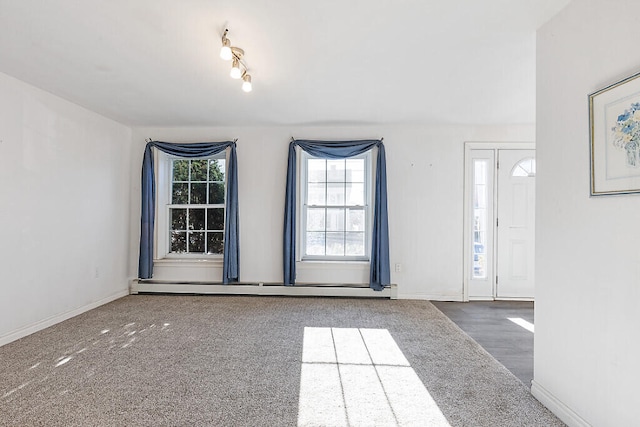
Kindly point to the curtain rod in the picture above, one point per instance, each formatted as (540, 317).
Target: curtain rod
(294, 139)
(151, 140)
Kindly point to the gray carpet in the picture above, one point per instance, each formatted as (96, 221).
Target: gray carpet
(235, 361)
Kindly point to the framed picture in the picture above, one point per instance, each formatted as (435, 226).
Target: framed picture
(614, 119)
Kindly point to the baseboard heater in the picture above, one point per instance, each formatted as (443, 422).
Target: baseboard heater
(138, 286)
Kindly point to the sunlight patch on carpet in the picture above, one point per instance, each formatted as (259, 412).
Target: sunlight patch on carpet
(522, 323)
(356, 377)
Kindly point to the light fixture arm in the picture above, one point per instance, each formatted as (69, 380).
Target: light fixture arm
(237, 52)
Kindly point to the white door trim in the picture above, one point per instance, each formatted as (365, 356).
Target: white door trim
(467, 249)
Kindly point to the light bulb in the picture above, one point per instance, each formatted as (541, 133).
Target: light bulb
(225, 52)
(246, 84)
(235, 69)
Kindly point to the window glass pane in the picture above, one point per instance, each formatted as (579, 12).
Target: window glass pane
(335, 244)
(315, 219)
(196, 219)
(197, 182)
(215, 219)
(315, 243)
(196, 242)
(216, 193)
(199, 170)
(316, 194)
(480, 198)
(355, 219)
(335, 194)
(178, 241)
(216, 169)
(335, 219)
(180, 170)
(199, 193)
(355, 244)
(355, 170)
(178, 219)
(331, 228)
(316, 170)
(215, 243)
(355, 194)
(180, 194)
(335, 170)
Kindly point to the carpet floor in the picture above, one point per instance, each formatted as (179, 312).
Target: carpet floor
(165, 360)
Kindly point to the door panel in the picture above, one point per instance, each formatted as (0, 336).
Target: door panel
(516, 222)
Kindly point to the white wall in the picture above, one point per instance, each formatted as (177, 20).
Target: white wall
(588, 263)
(425, 168)
(64, 197)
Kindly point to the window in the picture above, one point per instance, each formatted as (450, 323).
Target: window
(196, 206)
(335, 208)
(480, 217)
(525, 168)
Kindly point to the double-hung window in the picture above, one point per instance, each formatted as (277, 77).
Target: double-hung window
(336, 208)
(196, 207)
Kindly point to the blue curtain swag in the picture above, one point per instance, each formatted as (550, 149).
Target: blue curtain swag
(230, 263)
(379, 276)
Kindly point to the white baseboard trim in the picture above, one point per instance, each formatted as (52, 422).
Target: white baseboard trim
(555, 405)
(38, 326)
(260, 289)
(486, 298)
(456, 298)
(481, 299)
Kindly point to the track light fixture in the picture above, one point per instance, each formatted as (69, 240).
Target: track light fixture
(238, 67)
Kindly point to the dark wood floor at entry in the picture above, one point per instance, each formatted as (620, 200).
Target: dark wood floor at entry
(487, 322)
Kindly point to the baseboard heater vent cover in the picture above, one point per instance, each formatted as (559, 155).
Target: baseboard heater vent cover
(304, 289)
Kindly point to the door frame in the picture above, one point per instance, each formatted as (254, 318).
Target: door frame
(468, 209)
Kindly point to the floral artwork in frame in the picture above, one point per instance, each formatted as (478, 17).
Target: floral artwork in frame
(614, 114)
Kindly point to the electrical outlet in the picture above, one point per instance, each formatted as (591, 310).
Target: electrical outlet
(398, 267)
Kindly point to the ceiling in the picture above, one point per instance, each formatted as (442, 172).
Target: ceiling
(321, 62)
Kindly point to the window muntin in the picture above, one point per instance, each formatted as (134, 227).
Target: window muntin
(335, 208)
(196, 206)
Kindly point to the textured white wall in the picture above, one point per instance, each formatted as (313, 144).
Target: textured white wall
(64, 197)
(588, 262)
(425, 170)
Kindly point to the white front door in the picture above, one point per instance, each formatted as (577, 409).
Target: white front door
(515, 236)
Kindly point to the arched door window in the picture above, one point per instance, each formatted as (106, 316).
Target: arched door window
(525, 168)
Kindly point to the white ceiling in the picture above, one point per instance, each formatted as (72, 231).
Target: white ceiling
(156, 63)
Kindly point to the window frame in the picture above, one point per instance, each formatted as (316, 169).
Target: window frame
(303, 206)
(164, 181)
